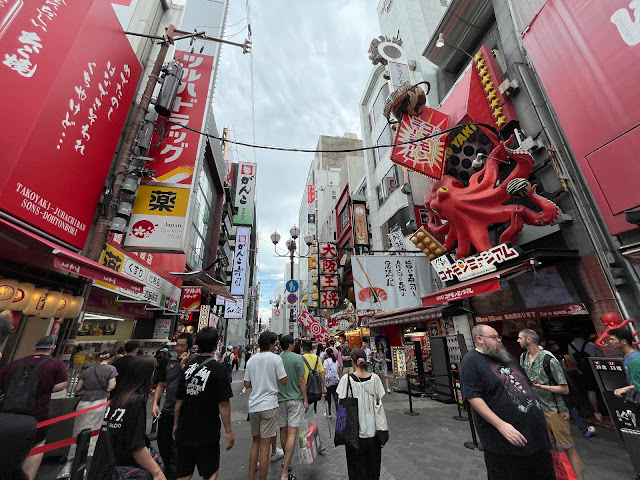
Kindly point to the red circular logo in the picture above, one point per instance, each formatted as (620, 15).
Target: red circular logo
(142, 229)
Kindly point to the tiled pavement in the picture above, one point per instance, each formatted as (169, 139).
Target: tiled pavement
(426, 446)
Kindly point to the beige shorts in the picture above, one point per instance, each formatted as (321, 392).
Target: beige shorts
(264, 423)
(559, 430)
(290, 413)
(347, 370)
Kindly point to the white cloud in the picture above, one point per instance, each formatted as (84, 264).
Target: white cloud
(310, 68)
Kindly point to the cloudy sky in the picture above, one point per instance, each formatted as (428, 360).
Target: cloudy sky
(310, 68)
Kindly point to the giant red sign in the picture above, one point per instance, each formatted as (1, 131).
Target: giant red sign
(311, 324)
(68, 77)
(175, 157)
(587, 54)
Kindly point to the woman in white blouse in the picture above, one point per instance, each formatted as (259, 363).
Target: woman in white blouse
(364, 462)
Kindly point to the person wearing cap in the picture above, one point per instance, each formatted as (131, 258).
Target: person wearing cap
(52, 377)
(227, 360)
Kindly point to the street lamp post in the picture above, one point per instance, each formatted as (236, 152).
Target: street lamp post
(291, 246)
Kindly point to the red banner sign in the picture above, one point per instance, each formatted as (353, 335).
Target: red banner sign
(428, 156)
(548, 312)
(176, 155)
(311, 324)
(311, 194)
(462, 292)
(191, 298)
(66, 99)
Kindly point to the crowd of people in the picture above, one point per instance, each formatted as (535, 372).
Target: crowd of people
(521, 407)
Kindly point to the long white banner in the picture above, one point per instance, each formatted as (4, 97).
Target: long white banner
(391, 281)
(240, 260)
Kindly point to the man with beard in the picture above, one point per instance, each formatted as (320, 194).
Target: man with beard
(509, 421)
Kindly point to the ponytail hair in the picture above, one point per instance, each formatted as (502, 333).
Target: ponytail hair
(359, 356)
(329, 352)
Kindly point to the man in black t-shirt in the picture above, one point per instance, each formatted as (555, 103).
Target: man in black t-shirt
(202, 401)
(509, 420)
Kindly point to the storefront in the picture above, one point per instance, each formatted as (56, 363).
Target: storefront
(45, 287)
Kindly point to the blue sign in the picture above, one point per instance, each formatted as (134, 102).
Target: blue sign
(292, 286)
(292, 298)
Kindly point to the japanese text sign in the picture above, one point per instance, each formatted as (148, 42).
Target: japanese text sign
(311, 324)
(328, 250)
(203, 321)
(240, 260)
(329, 299)
(191, 298)
(245, 191)
(71, 97)
(427, 156)
(177, 154)
(462, 292)
(394, 281)
(233, 308)
(361, 230)
(328, 282)
(475, 265)
(311, 194)
(159, 219)
(328, 266)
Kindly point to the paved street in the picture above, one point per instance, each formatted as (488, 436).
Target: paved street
(427, 446)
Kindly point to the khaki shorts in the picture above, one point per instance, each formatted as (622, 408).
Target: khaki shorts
(347, 370)
(264, 423)
(559, 431)
(290, 413)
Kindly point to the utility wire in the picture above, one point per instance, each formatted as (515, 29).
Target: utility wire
(338, 150)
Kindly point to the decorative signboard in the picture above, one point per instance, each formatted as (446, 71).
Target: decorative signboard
(204, 316)
(314, 327)
(162, 328)
(98, 328)
(328, 280)
(474, 265)
(240, 260)
(398, 281)
(361, 229)
(399, 363)
(245, 193)
(234, 308)
(191, 297)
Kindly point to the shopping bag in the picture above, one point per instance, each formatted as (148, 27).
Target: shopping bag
(562, 467)
(309, 445)
(347, 424)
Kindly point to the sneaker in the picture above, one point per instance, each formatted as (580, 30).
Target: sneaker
(598, 416)
(591, 431)
(278, 455)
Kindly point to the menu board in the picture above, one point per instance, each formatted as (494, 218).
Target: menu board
(609, 373)
(399, 362)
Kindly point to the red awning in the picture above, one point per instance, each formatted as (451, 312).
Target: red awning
(65, 259)
(477, 286)
(414, 316)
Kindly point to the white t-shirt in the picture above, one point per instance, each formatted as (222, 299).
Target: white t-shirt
(331, 372)
(264, 370)
(365, 391)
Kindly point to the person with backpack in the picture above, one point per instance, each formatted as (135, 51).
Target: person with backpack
(549, 390)
(579, 352)
(27, 384)
(313, 375)
(227, 360)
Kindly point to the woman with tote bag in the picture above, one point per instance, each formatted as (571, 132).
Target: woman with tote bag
(363, 390)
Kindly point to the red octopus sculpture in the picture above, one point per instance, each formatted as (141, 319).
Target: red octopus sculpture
(470, 210)
(613, 320)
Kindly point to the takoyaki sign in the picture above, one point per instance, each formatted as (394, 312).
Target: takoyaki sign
(392, 281)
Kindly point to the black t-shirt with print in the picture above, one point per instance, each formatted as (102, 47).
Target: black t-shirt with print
(201, 389)
(507, 391)
(127, 427)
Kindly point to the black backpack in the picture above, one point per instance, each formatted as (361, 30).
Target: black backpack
(314, 382)
(581, 359)
(226, 359)
(20, 395)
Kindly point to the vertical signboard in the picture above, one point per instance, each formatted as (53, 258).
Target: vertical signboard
(233, 308)
(66, 97)
(203, 321)
(328, 253)
(245, 191)
(191, 298)
(239, 272)
(361, 230)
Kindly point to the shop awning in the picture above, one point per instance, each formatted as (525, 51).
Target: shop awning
(214, 289)
(477, 286)
(415, 316)
(65, 259)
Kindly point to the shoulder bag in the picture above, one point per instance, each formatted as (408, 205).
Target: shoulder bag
(347, 423)
(382, 429)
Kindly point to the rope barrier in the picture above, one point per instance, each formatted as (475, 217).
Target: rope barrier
(67, 441)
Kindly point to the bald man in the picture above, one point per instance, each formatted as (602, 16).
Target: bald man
(508, 418)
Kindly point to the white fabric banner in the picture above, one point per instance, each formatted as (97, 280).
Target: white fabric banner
(240, 260)
(391, 281)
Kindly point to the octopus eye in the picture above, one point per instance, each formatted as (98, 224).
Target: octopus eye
(434, 209)
(444, 189)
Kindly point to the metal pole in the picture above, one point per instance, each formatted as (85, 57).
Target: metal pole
(291, 310)
(100, 234)
(474, 443)
(410, 412)
(82, 450)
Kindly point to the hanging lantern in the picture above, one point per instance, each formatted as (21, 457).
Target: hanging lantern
(36, 302)
(51, 304)
(315, 287)
(8, 289)
(314, 296)
(22, 297)
(76, 307)
(64, 306)
(314, 304)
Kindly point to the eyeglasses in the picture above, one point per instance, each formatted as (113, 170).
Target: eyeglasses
(497, 338)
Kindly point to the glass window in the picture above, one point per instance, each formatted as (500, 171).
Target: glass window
(344, 217)
(389, 184)
(385, 138)
(378, 105)
(204, 205)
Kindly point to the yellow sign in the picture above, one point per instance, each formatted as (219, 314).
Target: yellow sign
(161, 200)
